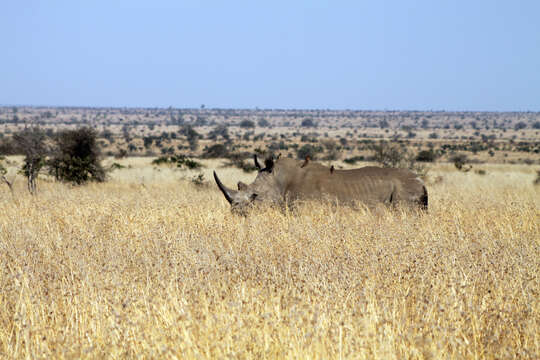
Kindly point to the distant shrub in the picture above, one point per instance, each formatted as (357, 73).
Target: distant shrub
(247, 124)
(242, 160)
(396, 156)
(178, 160)
(459, 161)
(162, 160)
(219, 130)
(191, 135)
(122, 153)
(426, 156)
(77, 158)
(353, 160)
(263, 122)
(216, 151)
(116, 166)
(389, 155)
(520, 125)
(537, 180)
(198, 180)
(308, 150)
(308, 122)
(480, 172)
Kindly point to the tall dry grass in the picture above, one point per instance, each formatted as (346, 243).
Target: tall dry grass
(154, 267)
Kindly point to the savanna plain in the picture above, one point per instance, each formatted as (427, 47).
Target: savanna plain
(153, 264)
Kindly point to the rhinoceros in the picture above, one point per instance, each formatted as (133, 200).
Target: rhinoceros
(285, 181)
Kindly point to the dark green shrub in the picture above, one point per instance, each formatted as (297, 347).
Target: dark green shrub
(77, 158)
(216, 151)
(459, 161)
(247, 124)
(426, 156)
(308, 150)
(308, 122)
(353, 160)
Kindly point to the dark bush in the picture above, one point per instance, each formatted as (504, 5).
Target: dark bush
(192, 136)
(389, 155)
(247, 124)
(308, 150)
(77, 158)
(263, 122)
(216, 151)
(353, 160)
(308, 122)
(520, 125)
(116, 166)
(459, 160)
(219, 130)
(426, 156)
(178, 160)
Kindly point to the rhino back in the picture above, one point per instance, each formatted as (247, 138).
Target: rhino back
(367, 185)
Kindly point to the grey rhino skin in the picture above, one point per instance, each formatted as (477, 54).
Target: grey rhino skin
(286, 181)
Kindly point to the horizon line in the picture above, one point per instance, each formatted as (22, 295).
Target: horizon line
(263, 109)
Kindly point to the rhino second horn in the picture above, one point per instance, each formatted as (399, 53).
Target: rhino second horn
(227, 192)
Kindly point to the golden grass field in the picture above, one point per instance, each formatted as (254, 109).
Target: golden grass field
(149, 265)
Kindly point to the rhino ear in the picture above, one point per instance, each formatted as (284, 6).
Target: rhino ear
(306, 161)
(241, 186)
(269, 164)
(257, 165)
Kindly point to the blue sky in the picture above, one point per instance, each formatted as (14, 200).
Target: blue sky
(440, 55)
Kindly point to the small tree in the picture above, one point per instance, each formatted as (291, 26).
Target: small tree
(216, 151)
(308, 150)
(389, 155)
(308, 122)
(520, 125)
(426, 156)
(395, 156)
(247, 124)
(192, 136)
(31, 143)
(263, 122)
(459, 161)
(77, 157)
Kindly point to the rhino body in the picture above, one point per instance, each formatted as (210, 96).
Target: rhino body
(286, 181)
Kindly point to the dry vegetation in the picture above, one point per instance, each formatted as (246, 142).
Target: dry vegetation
(151, 265)
(509, 137)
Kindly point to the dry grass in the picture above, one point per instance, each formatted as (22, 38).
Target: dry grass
(163, 270)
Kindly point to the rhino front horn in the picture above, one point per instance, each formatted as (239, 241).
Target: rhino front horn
(226, 191)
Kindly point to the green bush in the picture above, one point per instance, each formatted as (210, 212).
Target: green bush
(353, 160)
(77, 158)
(309, 150)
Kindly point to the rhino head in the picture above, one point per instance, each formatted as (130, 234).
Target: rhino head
(265, 189)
